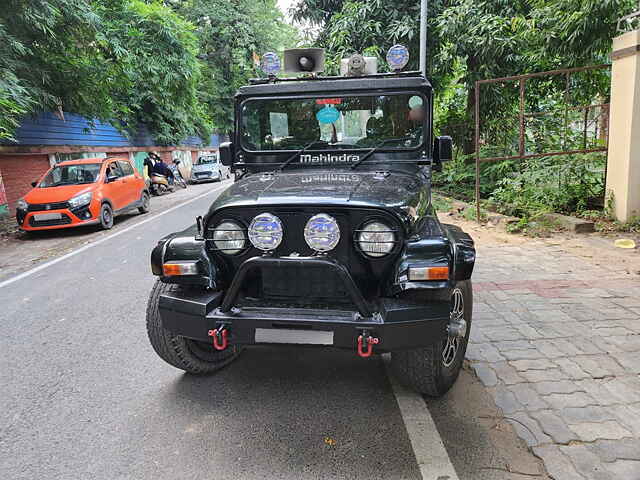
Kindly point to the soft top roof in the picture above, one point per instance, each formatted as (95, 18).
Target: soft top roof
(411, 80)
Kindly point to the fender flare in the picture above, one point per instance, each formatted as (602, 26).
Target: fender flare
(184, 246)
(463, 252)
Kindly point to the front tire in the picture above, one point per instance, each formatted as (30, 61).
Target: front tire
(106, 216)
(433, 370)
(194, 357)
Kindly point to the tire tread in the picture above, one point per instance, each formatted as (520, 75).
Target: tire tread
(174, 349)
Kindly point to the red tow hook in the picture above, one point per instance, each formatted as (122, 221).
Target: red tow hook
(370, 341)
(219, 336)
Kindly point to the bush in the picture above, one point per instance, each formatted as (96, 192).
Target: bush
(458, 177)
(564, 184)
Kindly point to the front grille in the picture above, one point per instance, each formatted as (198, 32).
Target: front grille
(203, 174)
(64, 220)
(310, 283)
(371, 274)
(40, 207)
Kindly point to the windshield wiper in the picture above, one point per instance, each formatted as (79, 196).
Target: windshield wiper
(373, 150)
(368, 154)
(298, 152)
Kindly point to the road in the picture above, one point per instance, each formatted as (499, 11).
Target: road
(83, 395)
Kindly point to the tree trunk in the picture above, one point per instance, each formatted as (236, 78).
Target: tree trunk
(469, 146)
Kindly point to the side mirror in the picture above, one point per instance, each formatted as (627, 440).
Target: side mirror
(443, 150)
(226, 154)
(33, 184)
(111, 178)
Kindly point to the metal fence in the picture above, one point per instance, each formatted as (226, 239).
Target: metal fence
(594, 120)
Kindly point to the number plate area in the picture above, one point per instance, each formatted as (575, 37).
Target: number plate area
(300, 337)
(40, 217)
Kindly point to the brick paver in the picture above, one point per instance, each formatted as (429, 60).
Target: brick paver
(556, 341)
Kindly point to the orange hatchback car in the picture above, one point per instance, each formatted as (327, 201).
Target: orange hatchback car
(83, 192)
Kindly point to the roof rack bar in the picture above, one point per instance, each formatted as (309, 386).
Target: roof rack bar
(260, 81)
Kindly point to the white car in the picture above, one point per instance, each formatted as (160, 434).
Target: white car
(208, 169)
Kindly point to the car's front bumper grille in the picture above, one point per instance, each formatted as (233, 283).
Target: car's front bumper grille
(43, 207)
(63, 220)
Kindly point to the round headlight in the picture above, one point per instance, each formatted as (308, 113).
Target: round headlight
(376, 239)
(265, 232)
(229, 238)
(322, 232)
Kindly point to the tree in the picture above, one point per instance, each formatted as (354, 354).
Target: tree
(150, 63)
(123, 61)
(230, 33)
(36, 36)
(471, 40)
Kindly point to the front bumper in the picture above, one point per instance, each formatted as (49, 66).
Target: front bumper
(211, 177)
(397, 324)
(68, 218)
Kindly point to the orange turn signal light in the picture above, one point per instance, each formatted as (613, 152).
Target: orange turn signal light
(179, 268)
(417, 274)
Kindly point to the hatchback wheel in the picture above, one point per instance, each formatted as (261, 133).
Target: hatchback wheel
(144, 203)
(106, 216)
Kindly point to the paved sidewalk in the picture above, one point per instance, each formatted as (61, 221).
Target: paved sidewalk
(556, 340)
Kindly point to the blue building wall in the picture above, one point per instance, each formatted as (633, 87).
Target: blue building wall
(48, 129)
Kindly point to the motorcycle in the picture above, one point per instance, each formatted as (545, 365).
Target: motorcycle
(177, 176)
(159, 185)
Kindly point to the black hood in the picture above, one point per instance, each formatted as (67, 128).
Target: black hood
(399, 192)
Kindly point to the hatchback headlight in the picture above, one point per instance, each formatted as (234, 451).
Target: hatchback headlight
(265, 232)
(229, 237)
(322, 232)
(80, 200)
(376, 239)
(22, 205)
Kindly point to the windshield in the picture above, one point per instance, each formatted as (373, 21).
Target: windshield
(71, 175)
(206, 160)
(386, 121)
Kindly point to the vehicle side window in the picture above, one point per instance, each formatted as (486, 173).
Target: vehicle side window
(113, 170)
(126, 167)
(56, 175)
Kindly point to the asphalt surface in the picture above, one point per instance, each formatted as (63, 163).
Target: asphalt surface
(84, 396)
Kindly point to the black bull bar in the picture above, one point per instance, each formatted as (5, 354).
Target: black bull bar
(393, 324)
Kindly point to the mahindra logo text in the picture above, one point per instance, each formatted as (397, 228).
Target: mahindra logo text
(329, 158)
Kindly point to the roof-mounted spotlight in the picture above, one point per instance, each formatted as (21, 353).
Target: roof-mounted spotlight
(356, 65)
(397, 57)
(270, 64)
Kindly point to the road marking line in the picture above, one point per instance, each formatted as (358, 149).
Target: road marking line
(104, 239)
(432, 457)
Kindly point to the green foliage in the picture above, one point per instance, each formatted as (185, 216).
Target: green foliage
(440, 203)
(153, 82)
(538, 226)
(551, 184)
(317, 12)
(458, 177)
(471, 40)
(229, 34)
(133, 61)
